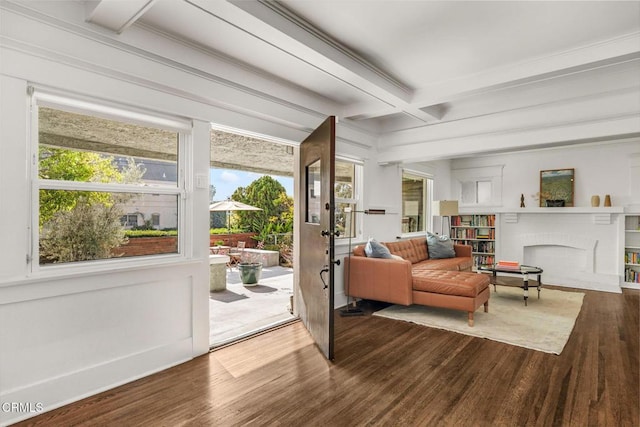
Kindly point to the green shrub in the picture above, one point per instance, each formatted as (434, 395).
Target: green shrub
(225, 231)
(88, 231)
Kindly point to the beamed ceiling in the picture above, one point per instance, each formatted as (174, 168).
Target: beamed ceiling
(416, 80)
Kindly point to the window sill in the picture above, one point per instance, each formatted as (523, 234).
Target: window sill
(414, 235)
(71, 272)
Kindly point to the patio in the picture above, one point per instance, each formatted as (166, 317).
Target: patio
(240, 311)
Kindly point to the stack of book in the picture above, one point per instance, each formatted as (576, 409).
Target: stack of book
(509, 265)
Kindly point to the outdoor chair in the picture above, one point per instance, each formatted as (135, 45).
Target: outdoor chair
(235, 254)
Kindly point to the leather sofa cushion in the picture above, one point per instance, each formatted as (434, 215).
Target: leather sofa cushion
(416, 251)
(405, 249)
(420, 246)
(448, 264)
(359, 251)
(450, 282)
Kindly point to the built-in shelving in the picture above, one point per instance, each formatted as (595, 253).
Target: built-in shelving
(632, 251)
(479, 232)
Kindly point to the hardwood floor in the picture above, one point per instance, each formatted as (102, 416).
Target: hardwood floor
(390, 372)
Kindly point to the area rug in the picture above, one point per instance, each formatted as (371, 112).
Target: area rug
(545, 324)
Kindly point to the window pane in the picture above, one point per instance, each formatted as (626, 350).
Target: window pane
(91, 225)
(484, 191)
(77, 147)
(345, 221)
(413, 203)
(345, 180)
(313, 193)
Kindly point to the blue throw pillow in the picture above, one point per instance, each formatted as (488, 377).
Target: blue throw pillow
(440, 246)
(374, 249)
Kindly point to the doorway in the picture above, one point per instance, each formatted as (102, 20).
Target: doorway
(240, 167)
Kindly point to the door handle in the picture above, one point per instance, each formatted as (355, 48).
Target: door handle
(326, 233)
(325, 269)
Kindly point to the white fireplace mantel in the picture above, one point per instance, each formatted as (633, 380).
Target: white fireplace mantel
(576, 246)
(570, 210)
(599, 215)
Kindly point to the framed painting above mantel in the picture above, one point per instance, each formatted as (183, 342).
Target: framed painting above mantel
(556, 187)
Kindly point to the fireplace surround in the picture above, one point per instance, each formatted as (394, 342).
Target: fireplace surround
(576, 247)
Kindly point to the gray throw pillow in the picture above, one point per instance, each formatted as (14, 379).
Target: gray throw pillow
(440, 246)
(374, 249)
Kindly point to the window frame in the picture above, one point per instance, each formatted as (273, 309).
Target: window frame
(427, 200)
(356, 200)
(107, 110)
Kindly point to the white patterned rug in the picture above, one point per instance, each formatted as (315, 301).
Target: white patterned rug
(544, 325)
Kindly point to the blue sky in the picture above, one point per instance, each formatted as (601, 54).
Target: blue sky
(227, 181)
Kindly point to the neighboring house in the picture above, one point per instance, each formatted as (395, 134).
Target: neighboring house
(157, 211)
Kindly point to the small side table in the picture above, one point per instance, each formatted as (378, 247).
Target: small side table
(218, 272)
(523, 270)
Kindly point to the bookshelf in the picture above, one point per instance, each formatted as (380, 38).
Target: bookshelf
(632, 251)
(479, 232)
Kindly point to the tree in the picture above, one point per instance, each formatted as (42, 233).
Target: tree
(68, 165)
(268, 194)
(212, 192)
(82, 225)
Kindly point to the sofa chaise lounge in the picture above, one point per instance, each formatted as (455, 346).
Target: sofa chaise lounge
(417, 279)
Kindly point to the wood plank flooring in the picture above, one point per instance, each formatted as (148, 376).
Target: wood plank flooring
(392, 373)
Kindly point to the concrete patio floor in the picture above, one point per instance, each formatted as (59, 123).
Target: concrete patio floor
(240, 311)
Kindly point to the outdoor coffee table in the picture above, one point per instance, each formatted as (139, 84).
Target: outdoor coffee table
(523, 270)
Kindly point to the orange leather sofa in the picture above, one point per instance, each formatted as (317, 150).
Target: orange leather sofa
(417, 279)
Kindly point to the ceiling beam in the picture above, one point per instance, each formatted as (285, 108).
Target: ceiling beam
(429, 99)
(116, 16)
(602, 54)
(289, 33)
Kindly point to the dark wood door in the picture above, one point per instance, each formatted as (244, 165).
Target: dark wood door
(317, 225)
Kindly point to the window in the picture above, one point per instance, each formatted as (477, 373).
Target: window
(347, 196)
(313, 192)
(415, 189)
(475, 192)
(130, 220)
(478, 186)
(100, 172)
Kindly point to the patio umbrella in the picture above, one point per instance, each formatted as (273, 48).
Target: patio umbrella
(231, 205)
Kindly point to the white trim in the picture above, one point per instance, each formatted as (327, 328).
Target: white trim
(427, 199)
(105, 109)
(180, 189)
(52, 184)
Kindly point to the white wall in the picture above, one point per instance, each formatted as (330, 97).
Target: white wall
(66, 335)
(600, 168)
(608, 167)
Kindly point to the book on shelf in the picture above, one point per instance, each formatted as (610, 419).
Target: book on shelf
(631, 275)
(632, 258)
(514, 265)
